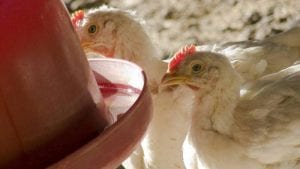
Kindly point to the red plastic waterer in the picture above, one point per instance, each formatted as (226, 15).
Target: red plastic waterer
(52, 114)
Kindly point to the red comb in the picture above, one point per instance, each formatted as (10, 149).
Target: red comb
(76, 17)
(180, 55)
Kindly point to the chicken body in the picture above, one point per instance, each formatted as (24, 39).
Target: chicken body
(258, 129)
(167, 131)
(119, 34)
(254, 59)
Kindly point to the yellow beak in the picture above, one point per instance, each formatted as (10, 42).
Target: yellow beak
(170, 79)
(86, 45)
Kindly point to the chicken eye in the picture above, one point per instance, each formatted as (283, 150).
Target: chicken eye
(196, 68)
(92, 29)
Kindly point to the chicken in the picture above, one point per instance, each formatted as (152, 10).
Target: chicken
(116, 33)
(120, 34)
(254, 59)
(257, 129)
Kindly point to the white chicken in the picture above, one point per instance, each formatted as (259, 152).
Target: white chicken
(257, 130)
(116, 33)
(253, 59)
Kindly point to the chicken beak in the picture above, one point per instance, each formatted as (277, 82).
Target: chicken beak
(98, 49)
(170, 79)
(86, 45)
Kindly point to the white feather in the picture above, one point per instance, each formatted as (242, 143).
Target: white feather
(254, 59)
(259, 129)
